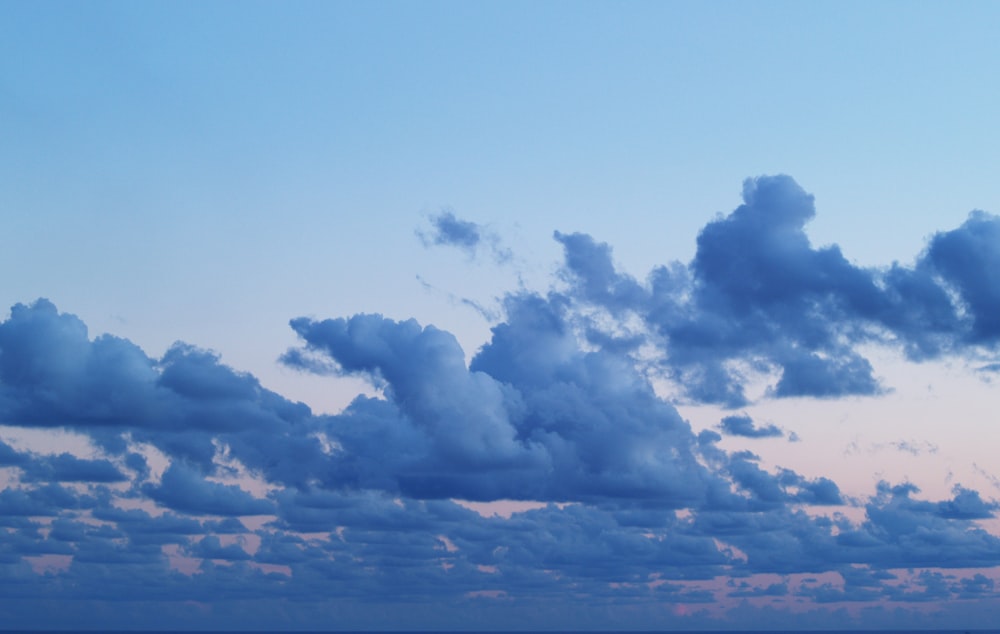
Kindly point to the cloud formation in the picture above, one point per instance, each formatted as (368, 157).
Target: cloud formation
(193, 481)
(759, 299)
(447, 229)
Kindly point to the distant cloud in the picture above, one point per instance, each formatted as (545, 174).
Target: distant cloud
(912, 447)
(758, 295)
(744, 426)
(447, 229)
(745, 589)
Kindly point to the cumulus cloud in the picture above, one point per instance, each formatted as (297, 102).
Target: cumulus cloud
(744, 426)
(534, 417)
(183, 489)
(969, 260)
(447, 229)
(759, 299)
(66, 467)
(198, 482)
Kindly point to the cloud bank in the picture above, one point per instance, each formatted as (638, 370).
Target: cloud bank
(194, 485)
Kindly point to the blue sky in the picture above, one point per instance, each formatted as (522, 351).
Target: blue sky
(499, 315)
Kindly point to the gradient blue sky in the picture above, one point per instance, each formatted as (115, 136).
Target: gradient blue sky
(700, 310)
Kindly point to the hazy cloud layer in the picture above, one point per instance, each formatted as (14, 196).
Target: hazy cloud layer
(193, 481)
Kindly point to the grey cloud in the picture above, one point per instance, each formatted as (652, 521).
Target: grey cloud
(745, 590)
(211, 548)
(758, 295)
(744, 426)
(969, 260)
(447, 229)
(66, 467)
(519, 421)
(557, 407)
(184, 489)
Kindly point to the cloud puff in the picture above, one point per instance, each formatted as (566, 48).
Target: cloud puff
(449, 230)
(183, 489)
(968, 258)
(533, 417)
(744, 426)
(759, 299)
(66, 467)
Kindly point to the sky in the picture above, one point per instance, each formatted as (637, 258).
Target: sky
(519, 315)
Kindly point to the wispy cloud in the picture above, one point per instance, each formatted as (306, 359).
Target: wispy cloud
(744, 426)
(758, 298)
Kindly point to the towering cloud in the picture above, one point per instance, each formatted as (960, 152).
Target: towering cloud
(449, 230)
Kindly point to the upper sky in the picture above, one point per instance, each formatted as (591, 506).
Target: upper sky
(499, 315)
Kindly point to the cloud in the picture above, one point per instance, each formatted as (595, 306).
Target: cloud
(68, 468)
(10, 456)
(211, 548)
(966, 505)
(198, 482)
(183, 489)
(744, 426)
(533, 417)
(968, 258)
(744, 589)
(449, 230)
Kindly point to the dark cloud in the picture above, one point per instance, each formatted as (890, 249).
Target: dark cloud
(367, 507)
(969, 260)
(211, 548)
(48, 500)
(901, 532)
(966, 505)
(10, 456)
(449, 230)
(534, 417)
(68, 468)
(744, 426)
(144, 529)
(746, 590)
(589, 263)
(759, 299)
(978, 586)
